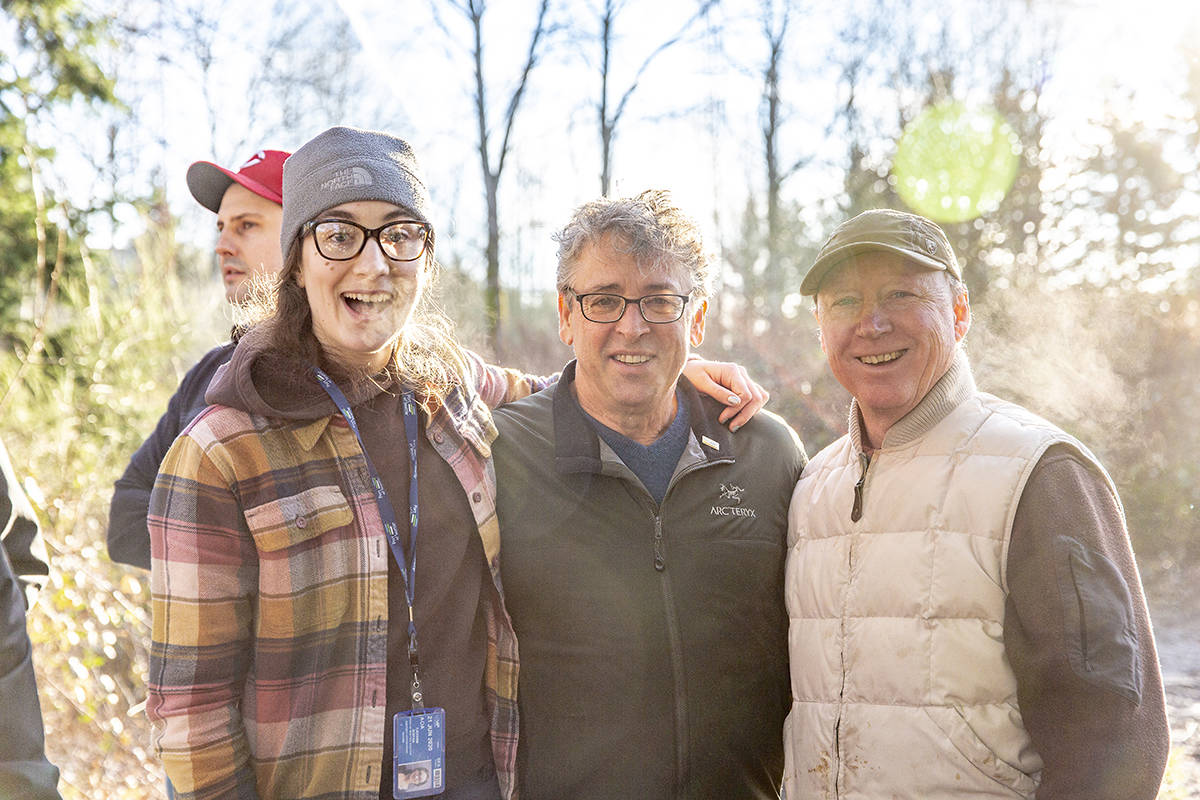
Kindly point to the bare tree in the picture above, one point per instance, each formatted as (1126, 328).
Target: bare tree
(608, 110)
(860, 42)
(297, 74)
(774, 18)
(767, 254)
(491, 156)
(186, 37)
(306, 77)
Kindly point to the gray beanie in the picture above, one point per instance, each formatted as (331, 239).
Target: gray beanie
(345, 165)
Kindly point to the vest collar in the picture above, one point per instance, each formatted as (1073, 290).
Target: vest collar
(947, 394)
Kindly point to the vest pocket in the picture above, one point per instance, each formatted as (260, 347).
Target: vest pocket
(298, 518)
(951, 722)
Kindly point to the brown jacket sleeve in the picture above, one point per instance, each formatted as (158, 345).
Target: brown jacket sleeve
(1078, 635)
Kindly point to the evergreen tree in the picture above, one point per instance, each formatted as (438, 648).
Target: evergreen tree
(48, 64)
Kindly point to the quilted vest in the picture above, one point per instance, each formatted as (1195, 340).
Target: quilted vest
(900, 683)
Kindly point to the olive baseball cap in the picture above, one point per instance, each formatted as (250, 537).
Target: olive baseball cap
(914, 237)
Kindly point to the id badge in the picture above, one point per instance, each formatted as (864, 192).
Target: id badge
(418, 753)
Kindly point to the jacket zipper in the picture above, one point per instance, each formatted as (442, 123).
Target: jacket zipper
(674, 638)
(660, 552)
(676, 642)
(856, 511)
(660, 546)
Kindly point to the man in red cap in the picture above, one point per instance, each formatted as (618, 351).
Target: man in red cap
(248, 205)
(249, 215)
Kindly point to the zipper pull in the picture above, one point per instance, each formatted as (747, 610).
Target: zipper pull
(856, 511)
(660, 555)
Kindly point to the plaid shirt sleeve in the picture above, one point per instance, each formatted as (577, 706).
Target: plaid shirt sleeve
(203, 578)
(497, 385)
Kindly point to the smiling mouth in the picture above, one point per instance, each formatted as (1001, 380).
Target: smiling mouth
(882, 358)
(366, 302)
(631, 359)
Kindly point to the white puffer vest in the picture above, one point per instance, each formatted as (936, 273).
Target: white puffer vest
(900, 683)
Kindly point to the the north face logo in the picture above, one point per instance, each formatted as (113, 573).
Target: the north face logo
(345, 178)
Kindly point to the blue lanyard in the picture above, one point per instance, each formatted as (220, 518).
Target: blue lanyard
(408, 566)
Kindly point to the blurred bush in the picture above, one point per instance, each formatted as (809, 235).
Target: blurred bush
(83, 382)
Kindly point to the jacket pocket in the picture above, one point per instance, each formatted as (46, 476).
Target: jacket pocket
(962, 736)
(297, 518)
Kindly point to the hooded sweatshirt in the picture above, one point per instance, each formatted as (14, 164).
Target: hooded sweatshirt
(452, 571)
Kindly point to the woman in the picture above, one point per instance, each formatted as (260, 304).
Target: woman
(296, 627)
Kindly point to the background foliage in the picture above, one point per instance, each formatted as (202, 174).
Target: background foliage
(1084, 280)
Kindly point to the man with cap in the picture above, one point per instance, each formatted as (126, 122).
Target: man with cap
(249, 214)
(965, 614)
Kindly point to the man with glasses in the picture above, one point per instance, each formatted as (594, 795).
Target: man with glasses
(643, 543)
(249, 214)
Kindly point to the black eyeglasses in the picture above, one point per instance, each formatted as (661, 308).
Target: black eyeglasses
(342, 240)
(659, 309)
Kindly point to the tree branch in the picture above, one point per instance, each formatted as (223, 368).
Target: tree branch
(530, 60)
(705, 7)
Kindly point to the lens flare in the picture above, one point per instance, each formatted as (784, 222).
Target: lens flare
(955, 163)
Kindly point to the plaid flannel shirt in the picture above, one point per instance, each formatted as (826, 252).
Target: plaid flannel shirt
(269, 581)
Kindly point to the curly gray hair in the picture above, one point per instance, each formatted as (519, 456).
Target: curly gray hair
(648, 227)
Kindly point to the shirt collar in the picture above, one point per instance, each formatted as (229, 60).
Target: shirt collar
(577, 447)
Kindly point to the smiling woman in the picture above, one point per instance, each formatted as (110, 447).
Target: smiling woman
(353, 435)
(361, 297)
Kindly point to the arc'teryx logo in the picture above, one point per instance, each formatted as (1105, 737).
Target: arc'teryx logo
(731, 493)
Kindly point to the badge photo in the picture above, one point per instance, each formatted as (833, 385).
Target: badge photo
(419, 757)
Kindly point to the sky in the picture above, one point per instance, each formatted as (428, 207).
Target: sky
(1114, 54)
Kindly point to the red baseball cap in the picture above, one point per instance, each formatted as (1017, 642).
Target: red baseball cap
(262, 174)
